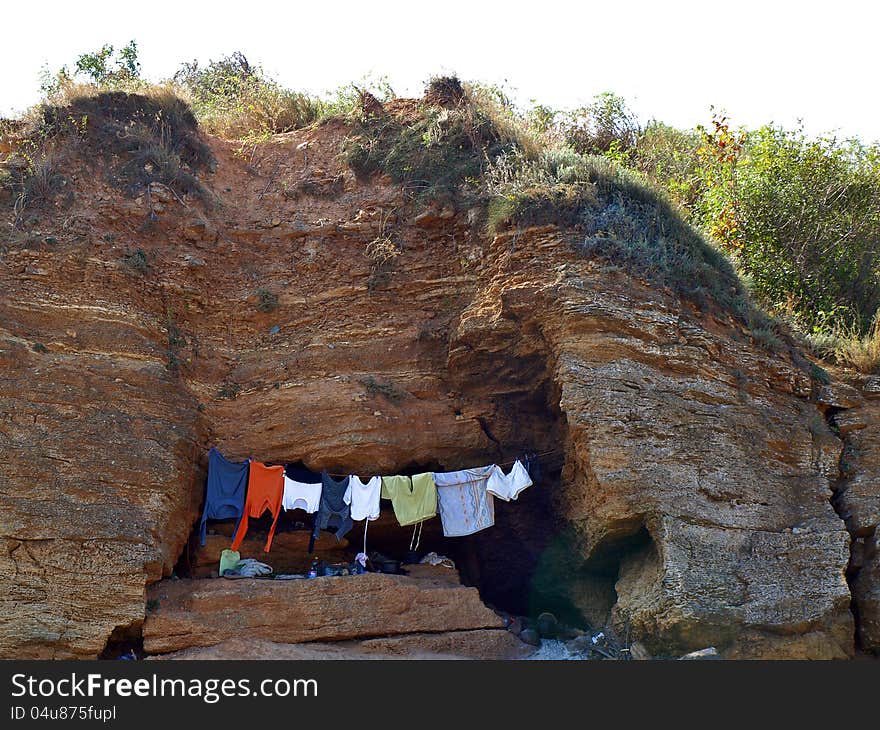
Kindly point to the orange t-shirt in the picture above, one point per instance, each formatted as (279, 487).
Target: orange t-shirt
(264, 492)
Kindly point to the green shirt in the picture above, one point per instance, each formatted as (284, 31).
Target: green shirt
(413, 499)
(229, 559)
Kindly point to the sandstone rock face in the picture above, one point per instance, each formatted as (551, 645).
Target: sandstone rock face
(475, 644)
(97, 483)
(687, 474)
(206, 612)
(697, 472)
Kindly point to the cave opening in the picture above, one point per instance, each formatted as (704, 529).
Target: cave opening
(503, 561)
(500, 561)
(523, 565)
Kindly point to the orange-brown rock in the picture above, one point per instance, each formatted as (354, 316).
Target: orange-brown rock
(472, 644)
(696, 479)
(98, 481)
(191, 613)
(687, 473)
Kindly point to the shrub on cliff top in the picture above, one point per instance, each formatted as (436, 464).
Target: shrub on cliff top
(144, 138)
(234, 98)
(619, 218)
(439, 152)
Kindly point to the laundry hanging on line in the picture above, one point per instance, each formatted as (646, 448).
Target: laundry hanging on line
(265, 492)
(414, 499)
(225, 491)
(465, 497)
(334, 510)
(466, 506)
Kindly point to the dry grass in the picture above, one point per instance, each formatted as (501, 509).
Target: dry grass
(510, 128)
(860, 352)
(381, 251)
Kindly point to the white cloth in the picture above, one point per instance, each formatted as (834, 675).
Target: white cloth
(433, 558)
(465, 505)
(363, 498)
(508, 486)
(299, 495)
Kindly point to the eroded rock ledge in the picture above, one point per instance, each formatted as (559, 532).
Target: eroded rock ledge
(211, 611)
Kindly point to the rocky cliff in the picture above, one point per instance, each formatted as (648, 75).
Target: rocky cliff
(687, 492)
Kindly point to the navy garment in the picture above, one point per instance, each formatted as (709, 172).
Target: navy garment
(333, 511)
(532, 465)
(227, 485)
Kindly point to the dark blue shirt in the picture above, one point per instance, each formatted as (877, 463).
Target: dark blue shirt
(227, 485)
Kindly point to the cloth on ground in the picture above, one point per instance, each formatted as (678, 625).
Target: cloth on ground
(414, 499)
(508, 486)
(228, 560)
(248, 568)
(333, 511)
(433, 558)
(225, 493)
(265, 492)
(465, 505)
(363, 498)
(300, 495)
(251, 567)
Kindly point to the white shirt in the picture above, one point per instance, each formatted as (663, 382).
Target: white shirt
(363, 498)
(508, 486)
(299, 495)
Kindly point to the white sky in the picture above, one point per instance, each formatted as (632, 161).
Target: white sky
(762, 61)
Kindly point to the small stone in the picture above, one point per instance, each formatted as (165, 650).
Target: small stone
(850, 420)
(709, 652)
(871, 387)
(515, 626)
(530, 637)
(839, 395)
(195, 230)
(377, 413)
(638, 652)
(548, 625)
(276, 222)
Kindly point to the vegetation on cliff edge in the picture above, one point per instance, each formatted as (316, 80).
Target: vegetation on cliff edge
(715, 213)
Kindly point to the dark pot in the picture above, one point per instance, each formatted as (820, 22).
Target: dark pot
(390, 566)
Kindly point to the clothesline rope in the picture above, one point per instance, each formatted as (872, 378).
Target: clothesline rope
(452, 484)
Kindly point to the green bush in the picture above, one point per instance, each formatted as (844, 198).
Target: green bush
(668, 157)
(233, 98)
(106, 68)
(808, 218)
(267, 301)
(606, 126)
(622, 220)
(437, 155)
